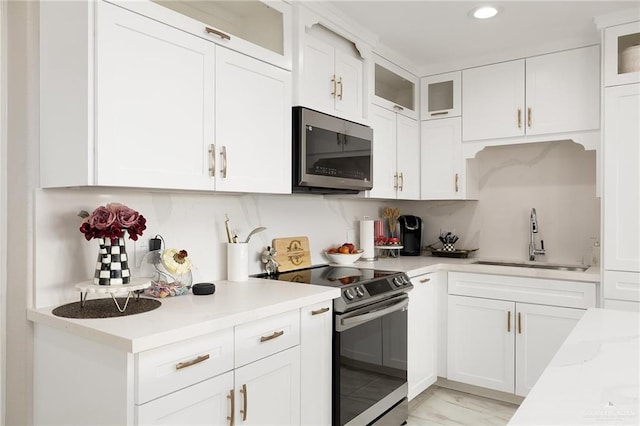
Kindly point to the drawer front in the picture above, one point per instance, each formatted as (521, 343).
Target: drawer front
(261, 338)
(572, 294)
(176, 366)
(622, 285)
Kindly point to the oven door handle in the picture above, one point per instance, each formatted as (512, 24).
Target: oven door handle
(352, 321)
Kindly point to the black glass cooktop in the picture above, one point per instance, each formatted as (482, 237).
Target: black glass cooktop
(329, 275)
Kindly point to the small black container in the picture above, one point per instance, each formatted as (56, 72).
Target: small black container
(203, 289)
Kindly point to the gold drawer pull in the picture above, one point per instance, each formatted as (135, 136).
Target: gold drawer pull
(218, 33)
(519, 118)
(425, 280)
(529, 119)
(439, 113)
(509, 322)
(519, 323)
(186, 364)
(319, 311)
(273, 336)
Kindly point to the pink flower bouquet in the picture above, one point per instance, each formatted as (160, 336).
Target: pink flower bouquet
(111, 221)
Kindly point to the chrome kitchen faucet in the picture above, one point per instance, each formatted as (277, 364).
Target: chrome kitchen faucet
(533, 225)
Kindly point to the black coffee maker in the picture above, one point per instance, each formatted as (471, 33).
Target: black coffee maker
(410, 235)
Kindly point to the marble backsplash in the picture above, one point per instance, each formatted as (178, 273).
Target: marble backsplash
(558, 179)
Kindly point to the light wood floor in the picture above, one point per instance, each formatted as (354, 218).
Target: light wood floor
(441, 406)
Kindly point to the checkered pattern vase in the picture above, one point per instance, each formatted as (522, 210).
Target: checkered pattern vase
(112, 266)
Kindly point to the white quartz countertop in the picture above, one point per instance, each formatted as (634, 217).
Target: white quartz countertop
(187, 316)
(235, 303)
(593, 379)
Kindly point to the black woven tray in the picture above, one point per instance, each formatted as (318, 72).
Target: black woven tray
(461, 253)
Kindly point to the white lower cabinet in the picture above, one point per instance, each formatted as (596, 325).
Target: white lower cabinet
(316, 362)
(422, 334)
(249, 374)
(205, 403)
(498, 340)
(267, 391)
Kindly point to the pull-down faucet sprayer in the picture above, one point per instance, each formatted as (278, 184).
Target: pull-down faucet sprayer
(533, 225)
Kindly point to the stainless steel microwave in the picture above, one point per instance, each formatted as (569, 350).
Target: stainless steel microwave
(330, 154)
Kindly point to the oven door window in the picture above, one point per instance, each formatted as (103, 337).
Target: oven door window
(370, 364)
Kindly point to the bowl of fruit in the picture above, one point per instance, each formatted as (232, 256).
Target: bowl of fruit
(345, 254)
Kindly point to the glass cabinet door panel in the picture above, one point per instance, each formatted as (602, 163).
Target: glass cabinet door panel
(394, 87)
(622, 54)
(253, 21)
(440, 96)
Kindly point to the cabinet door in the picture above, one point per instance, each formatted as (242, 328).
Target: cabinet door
(207, 402)
(253, 125)
(540, 331)
(422, 334)
(316, 324)
(349, 85)
(408, 157)
(563, 91)
(441, 159)
(441, 96)
(318, 86)
(268, 390)
(480, 344)
(493, 101)
(154, 103)
(385, 177)
(622, 178)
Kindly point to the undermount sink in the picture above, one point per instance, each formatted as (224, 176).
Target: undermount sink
(575, 268)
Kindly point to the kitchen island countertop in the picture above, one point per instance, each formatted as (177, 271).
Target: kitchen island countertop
(594, 378)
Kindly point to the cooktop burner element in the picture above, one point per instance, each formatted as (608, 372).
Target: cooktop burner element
(359, 286)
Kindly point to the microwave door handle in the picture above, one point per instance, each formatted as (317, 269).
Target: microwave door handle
(350, 322)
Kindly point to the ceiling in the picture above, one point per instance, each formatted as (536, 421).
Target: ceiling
(436, 35)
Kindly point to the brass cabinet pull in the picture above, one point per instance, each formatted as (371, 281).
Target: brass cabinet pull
(509, 322)
(398, 107)
(440, 113)
(519, 118)
(341, 88)
(218, 33)
(273, 336)
(244, 402)
(529, 117)
(519, 323)
(401, 181)
(319, 311)
(456, 182)
(212, 160)
(425, 280)
(186, 364)
(232, 397)
(223, 156)
(333, 82)
(395, 181)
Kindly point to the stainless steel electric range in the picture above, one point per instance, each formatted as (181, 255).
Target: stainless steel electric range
(369, 342)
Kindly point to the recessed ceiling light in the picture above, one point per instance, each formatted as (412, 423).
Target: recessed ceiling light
(484, 12)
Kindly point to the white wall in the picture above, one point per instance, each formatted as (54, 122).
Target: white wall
(3, 212)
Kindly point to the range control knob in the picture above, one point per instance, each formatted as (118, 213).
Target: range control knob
(398, 281)
(349, 294)
(359, 291)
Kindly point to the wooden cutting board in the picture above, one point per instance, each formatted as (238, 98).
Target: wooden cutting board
(292, 253)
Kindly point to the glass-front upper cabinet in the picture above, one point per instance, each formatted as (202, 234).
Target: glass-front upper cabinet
(440, 96)
(261, 29)
(622, 54)
(395, 88)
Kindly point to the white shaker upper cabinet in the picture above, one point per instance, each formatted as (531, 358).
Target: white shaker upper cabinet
(562, 91)
(493, 101)
(253, 125)
(442, 174)
(556, 93)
